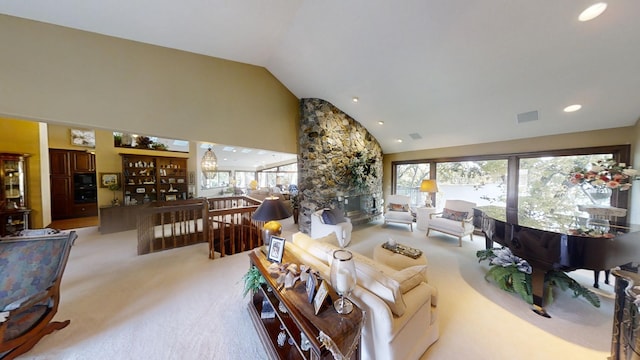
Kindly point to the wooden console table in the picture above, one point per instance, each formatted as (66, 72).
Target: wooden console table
(300, 319)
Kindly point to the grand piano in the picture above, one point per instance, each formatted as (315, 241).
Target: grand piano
(550, 242)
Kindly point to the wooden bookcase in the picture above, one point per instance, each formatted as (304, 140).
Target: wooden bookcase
(14, 212)
(152, 178)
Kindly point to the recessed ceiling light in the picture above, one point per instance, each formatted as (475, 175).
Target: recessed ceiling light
(572, 108)
(593, 11)
(355, 99)
(399, 140)
(380, 122)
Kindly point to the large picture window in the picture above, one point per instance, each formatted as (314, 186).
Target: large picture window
(533, 182)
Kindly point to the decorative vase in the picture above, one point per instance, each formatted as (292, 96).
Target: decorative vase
(343, 279)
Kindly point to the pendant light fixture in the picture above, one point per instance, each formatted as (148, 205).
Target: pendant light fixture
(209, 164)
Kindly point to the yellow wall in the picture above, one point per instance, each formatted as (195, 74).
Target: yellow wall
(22, 137)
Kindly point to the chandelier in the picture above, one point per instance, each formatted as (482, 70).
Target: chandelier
(209, 164)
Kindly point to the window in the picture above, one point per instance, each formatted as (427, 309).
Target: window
(533, 182)
(408, 179)
(219, 179)
(481, 182)
(281, 176)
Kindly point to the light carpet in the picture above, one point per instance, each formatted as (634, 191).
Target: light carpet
(178, 304)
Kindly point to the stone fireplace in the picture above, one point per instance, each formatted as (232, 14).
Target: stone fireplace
(339, 164)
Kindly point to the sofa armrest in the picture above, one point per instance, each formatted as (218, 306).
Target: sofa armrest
(433, 215)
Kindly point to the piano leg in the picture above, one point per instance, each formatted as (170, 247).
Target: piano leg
(596, 278)
(537, 285)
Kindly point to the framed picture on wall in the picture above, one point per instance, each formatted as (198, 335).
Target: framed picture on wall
(109, 179)
(83, 137)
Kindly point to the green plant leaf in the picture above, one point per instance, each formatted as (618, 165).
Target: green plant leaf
(252, 280)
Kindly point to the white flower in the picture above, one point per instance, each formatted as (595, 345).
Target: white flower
(630, 172)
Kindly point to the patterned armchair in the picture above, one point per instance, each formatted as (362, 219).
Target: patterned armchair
(31, 268)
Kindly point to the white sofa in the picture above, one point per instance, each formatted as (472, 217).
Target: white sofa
(398, 210)
(401, 320)
(455, 219)
(342, 229)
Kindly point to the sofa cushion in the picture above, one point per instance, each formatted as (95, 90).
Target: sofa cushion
(410, 277)
(454, 215)
(321, 248)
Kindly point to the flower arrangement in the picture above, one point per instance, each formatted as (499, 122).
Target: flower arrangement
(605, 174)
(513, 274)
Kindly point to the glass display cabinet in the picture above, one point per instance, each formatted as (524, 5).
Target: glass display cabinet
(14, 212)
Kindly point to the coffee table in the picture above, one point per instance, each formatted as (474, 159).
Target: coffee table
(396, 261)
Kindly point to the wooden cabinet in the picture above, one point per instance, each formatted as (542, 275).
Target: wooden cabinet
(151, 178)
(14, 212)
(293, 331)
(84, 162)
(73, 184)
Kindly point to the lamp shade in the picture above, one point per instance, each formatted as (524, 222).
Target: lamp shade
(272, 208)
(428, 186)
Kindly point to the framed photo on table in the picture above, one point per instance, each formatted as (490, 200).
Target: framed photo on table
(276, 249)
(321, 296)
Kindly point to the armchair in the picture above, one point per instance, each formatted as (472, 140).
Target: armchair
(398, 210)
(341, 226)
(455, 219)
(30, 289)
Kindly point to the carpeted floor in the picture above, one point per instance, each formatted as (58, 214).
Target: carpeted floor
(178, 304)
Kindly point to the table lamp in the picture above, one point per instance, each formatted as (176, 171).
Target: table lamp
(271, 209)
(429, 186)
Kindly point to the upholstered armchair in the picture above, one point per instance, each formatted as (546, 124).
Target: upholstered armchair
(31, 268)
(325, 221)
(455, 219)
(397, 210)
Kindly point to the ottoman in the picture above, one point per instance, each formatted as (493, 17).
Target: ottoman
(396, 261)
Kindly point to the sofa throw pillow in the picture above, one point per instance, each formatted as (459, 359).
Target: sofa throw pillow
(454, 215)
(332, 216)
(383, 286)
(328, 217)
(410, 277)
(397, 207)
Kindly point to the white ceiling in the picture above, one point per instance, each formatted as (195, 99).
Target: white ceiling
(455, 72)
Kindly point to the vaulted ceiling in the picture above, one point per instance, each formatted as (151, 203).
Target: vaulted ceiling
(436, 73)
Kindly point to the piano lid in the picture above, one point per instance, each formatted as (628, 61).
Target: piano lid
(557, 223)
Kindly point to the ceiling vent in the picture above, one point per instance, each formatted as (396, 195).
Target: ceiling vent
(527, 116)
(415, 136)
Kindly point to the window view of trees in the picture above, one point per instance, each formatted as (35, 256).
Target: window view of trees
(408, 178)
(542, 185)
(481, 182)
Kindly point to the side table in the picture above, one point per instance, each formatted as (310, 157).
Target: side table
(295, 320)
(422, 217)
